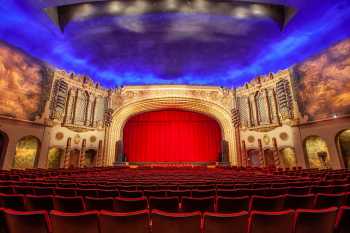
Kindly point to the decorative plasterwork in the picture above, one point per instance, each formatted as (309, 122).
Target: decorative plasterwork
(220, 96)
(215, 102)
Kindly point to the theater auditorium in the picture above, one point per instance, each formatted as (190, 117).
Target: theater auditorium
(174, 116)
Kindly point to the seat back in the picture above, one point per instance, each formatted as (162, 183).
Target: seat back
(27, 222)
(311, 221)
(86, 222)
(33, 203)
(191, 204)
(66, 192)
(323, 200)
(232, 204)
(271, 222)
(69, 204)
(94, 203)
(135, 222)
(12, 201)
(175, 222)
(226, 223)
(130, 194)
(343, 223)
(262, 203)
(130, 204)
(203, 193)
(299, 201)
(168, 204)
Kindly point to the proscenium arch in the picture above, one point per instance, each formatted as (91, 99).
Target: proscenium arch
(220, 114)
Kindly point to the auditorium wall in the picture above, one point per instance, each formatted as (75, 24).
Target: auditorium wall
(274, 115)
(322, 87)
(24, 82)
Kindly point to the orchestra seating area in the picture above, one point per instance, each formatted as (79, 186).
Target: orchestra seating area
(175, 200)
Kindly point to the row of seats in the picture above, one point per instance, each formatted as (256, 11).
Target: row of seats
(163, 193)
(174, 204)
(301, 221)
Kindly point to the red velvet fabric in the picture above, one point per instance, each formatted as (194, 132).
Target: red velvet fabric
(172, 136)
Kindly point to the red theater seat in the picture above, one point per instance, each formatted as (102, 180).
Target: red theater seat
(107, 193)
(66, 192)
(131, 222)
(44, 191)
(312, 221)
(12, 201)
(27, 222)
(226, 223)
(94, 203)
(86, 222)
(163, 222)
(130, 194)
(203, 193)
(299, 190)
(3, 227)
(262, 203)
(343, 220)
(130, 204)
(154, 193)
(299, 201)
(6, 190)
(232, 204)
(69, 204)
(34, 202)
(179, 193)
(23, 189)
(87, 192)
(227, 193)
(271, 222)
(323, 201)
(168, 204)
(191, 204)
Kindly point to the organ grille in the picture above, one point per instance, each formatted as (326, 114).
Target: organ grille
(58, 103)
(284, 99)
(272, 105)
(81, 108)
(262, 111)
(243, 106)
(100, 109)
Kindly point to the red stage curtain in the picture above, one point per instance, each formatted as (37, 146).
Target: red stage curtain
(172, 136)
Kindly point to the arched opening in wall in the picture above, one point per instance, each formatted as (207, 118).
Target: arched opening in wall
(27, 151)
(288, 157)
(343, 140)
(4, 140)
(171, 135)
(268, 157)
(90, 158)
(54, 157)
(317, 154)
(253, 158)
(74, 158)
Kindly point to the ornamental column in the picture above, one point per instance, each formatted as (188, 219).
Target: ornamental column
(276, 156)
(82, 154)
(67, 153)
(244, 155)
(236, 123)
(99, 154)
(261, 154)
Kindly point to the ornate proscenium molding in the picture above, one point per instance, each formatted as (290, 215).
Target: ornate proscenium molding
(128, 101)
(78, 10)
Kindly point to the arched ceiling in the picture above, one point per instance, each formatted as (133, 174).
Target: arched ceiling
(176, 47)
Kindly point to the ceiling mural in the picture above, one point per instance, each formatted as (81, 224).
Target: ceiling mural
(174, 47)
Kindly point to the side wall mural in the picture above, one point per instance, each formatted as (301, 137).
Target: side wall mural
(23, 80)
(323, 84)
